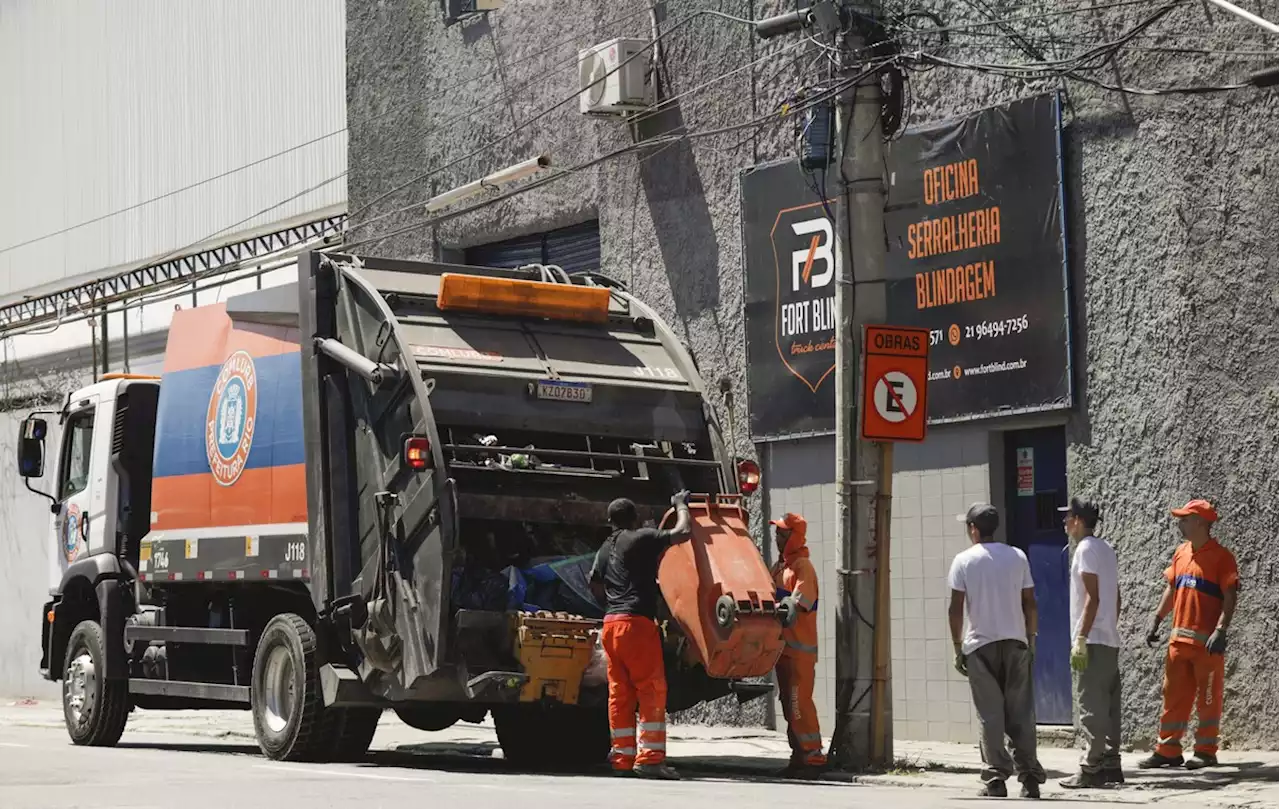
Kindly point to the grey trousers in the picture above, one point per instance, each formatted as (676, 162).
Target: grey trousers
(1000, 679)
(1098, 693)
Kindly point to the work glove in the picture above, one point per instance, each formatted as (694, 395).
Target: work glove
(1153, 636)
(1031, 649)
(1080, 654)
(1217, 642)
(962, 664)
(680, 498)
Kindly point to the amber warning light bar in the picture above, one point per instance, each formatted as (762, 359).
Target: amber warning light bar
(505, 296)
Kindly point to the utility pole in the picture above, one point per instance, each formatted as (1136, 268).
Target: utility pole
(863, 734)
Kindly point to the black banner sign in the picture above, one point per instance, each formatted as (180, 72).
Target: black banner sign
(977, 256)
(790, 267)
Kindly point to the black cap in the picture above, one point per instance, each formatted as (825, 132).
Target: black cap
(1083, 509)
(982, 516)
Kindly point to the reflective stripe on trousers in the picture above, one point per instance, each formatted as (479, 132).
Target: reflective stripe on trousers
(637, 684)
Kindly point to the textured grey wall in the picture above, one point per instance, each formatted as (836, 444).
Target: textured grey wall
(1172, 225)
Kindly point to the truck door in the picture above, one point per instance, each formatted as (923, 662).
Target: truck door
(74, 530)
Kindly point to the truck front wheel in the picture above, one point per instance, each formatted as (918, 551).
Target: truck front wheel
(288, 709)
(94, 708)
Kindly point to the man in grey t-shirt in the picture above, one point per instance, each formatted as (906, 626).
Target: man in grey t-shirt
(1095, 652)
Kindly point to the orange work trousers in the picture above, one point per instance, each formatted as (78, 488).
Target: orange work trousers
(633, 650)
(795, 673)
(1192, 676)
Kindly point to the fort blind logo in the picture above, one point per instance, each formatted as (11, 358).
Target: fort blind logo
(803, 249)
(230, 418)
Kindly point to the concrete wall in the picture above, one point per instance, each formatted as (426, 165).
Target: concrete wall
(1172, 225)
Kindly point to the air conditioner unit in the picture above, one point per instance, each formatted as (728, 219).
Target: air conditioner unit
(611, 81)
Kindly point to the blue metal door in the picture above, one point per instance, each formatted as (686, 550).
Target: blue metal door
(1036, 485)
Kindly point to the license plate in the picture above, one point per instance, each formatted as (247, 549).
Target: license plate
(558, 391)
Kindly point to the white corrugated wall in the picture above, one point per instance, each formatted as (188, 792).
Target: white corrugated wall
(108, 104)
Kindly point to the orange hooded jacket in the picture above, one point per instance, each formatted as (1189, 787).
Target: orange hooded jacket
(794, 575)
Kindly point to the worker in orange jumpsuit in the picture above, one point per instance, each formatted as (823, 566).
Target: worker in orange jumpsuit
(1200, 590)
(797, 586)
(624, 579)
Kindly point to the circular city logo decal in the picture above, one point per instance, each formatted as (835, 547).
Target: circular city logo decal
(71, 542)
(229, 424)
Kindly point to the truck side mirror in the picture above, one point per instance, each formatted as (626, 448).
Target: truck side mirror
(31, 447)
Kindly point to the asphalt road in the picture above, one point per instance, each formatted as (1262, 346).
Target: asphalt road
(41, 769)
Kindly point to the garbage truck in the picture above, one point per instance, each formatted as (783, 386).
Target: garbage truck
(381, 487)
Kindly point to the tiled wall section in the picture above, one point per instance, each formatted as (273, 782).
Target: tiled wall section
(932, 483)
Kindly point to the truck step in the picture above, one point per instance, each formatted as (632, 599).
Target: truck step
(176, 688)
(188, 634)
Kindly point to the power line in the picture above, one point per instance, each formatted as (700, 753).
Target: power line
(385, 113)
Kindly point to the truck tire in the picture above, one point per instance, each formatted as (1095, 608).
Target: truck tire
(288, 708)
(95, 709)
(352, 732)
(555, 737)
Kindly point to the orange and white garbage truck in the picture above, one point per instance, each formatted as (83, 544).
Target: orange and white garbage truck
(380, 488)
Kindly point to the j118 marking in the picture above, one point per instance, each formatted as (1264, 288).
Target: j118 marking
(655, 372)
(295, 552)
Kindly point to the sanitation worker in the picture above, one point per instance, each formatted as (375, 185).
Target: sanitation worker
(624, 578)
(797, 586)
(1200, 590)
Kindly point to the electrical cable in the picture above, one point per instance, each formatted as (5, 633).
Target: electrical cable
(652, 143)
(441, 93)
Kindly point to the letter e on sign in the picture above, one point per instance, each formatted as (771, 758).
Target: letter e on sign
(895, 374)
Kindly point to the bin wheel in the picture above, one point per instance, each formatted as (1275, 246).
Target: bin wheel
(726, 611)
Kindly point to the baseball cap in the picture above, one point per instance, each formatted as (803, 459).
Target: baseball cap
(784, 523)
(1197, 508)
(1081, 508)
(983, 516)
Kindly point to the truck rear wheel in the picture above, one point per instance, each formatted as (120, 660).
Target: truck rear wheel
(352, 732)
(288, 709)
(555, 737)
(95, 709)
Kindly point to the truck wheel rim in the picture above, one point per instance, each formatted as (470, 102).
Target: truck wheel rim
(280, 696)
(79, 687)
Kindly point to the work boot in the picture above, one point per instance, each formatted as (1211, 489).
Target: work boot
(1030, 789)
(658, 772)
(1115, 776)
(800, 770)
(993, 789)
(1084, 780)
(1201, 760)
(1156, 761)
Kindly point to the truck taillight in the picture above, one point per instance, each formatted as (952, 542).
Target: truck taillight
(417, 452)
(748, 476)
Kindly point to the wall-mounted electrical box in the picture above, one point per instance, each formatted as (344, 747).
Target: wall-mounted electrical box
(614, 77)
(457, 10)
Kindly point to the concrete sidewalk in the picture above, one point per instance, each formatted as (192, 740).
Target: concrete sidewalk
(1246, 779)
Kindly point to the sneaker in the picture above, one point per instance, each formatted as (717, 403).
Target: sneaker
(1115, 776)
(1084, 780)
(1030, 789)
(993, 789)
(1201, 760)
(1155, 761)
(660, 772)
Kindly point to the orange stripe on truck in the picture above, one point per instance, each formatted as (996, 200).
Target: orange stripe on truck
(267, 495)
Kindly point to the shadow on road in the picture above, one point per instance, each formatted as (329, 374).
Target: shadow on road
(194, 747)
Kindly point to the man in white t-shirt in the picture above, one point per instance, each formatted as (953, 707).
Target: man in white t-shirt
(1095, 653)
(991, 585)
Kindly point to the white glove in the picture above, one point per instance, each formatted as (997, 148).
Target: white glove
(1080, 654)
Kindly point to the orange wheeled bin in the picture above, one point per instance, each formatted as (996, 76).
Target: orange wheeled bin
(719, 591)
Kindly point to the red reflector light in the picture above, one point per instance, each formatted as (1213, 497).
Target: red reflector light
(417, 453)
(748, 476)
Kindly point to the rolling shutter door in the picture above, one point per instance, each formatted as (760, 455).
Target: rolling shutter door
(575, 248)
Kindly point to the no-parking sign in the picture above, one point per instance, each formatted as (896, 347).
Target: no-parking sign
(895, 372)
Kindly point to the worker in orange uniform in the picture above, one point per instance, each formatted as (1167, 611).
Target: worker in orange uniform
(797, 585)
(624, 579)
(1200, 590)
